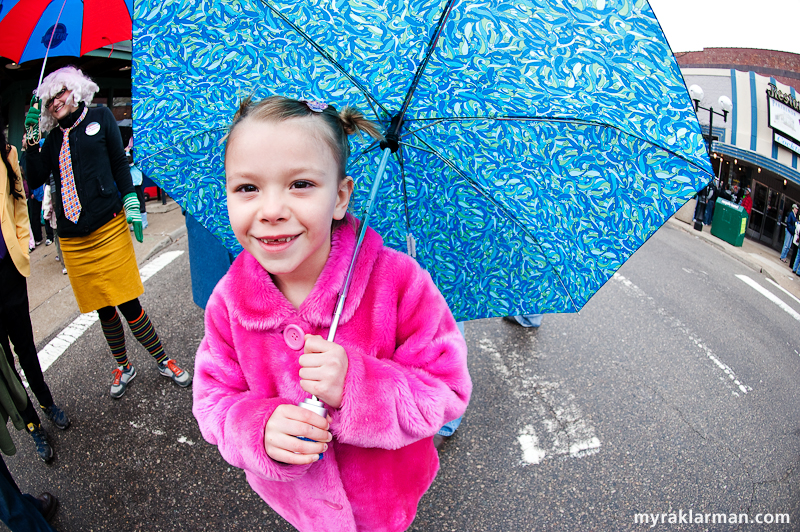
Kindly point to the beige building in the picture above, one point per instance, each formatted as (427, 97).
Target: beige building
(759, 144)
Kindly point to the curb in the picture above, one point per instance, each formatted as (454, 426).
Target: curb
(678, 224)
(166, 241)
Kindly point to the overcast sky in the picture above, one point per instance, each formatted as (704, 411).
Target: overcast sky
(692, 25)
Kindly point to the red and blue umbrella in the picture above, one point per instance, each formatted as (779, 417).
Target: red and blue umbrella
(36, 29)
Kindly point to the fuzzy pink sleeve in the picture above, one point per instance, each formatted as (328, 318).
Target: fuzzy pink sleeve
(392, 402)
(230, 415)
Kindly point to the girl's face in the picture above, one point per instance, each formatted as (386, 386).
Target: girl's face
(283, 193)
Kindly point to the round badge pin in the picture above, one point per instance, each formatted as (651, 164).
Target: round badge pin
(92, 129)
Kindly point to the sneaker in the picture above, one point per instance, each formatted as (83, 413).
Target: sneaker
(48, 242)
(121, 380)
(57, 416)
(64, 271)
(170, 369)
(39, 436)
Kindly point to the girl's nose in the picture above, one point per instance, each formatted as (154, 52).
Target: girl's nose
(273, 208)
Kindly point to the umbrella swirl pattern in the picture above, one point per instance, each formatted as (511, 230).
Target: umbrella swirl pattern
(544, 143)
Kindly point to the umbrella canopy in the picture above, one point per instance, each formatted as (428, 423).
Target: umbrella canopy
(67, 27)
(544, 141)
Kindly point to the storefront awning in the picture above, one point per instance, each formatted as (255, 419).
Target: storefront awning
(757, 159)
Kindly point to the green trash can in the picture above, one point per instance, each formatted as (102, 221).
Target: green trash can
(729, 223)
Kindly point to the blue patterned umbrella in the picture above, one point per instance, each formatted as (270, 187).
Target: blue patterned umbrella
(542, 141)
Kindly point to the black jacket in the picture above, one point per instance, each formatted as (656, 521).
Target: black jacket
(98, 162)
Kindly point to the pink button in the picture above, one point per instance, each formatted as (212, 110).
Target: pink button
(294, 337)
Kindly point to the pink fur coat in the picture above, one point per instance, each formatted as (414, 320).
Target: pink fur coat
(407, 376)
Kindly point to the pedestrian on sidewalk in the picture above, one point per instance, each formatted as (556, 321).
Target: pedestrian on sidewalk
(92, 225)
(791, 220)
(35, 214)
(50, 218)
(15, 320)
(19, 511)
(747, 201)
(394, 374)
(711, 202)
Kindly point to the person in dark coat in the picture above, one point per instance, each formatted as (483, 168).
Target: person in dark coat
(19, 511)
(791, 220)
(15, 320)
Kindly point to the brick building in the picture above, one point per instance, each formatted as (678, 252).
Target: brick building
(758, 146)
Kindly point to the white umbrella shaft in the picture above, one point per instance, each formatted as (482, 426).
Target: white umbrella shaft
(362, 229)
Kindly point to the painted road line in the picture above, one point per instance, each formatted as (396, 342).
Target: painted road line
(785, 291)
(58, 345)
(155, 265)
(730, 379)
(562, 427)
(769, 295)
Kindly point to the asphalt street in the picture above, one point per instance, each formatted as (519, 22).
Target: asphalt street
(672, 390)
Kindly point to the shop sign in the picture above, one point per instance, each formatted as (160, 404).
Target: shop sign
(784, 117)
(782, 97)
(786, 143)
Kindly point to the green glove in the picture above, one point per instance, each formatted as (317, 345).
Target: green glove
(138, 232)
(132, 207)
(32, 120)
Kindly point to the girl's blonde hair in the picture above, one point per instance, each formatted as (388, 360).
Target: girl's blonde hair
(83, 90)
(335, 126)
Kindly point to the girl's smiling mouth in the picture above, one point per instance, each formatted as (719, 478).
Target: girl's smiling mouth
(277, 241)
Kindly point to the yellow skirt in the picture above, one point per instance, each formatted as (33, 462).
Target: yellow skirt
(102, 266)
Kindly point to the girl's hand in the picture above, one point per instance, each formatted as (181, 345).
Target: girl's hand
(323, 369)
(284, 426)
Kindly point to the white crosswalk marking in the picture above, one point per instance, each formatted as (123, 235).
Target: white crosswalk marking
(546, 406)
(769, 295)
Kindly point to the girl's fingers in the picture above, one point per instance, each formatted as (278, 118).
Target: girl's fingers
(289, 448)
(288, 457)
(316, 344)
(312, 360)
(295, 445)
(290, 419)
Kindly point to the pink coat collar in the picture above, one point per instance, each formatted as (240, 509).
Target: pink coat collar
(318, 308)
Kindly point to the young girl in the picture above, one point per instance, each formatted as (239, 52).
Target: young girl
(396, 372)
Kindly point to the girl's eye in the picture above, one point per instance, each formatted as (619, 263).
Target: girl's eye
(302, 184)
(246, 188)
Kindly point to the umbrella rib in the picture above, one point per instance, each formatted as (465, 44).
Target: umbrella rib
(511, 118)
(370, 98)
(421, 68)
(491, 200)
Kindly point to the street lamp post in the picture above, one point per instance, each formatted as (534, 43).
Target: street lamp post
(724, 102)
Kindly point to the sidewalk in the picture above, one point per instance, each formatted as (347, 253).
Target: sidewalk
(757, 256)
(50, 295)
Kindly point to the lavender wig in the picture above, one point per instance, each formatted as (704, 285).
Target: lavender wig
(83, 90)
